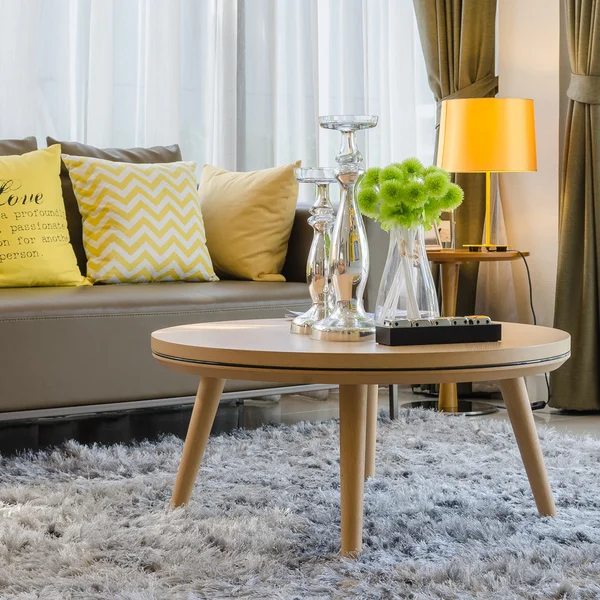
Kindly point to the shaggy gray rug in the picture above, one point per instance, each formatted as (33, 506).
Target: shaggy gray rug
(450, 515)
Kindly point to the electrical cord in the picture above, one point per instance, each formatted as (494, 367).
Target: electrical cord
(540, 404)
(535, 405)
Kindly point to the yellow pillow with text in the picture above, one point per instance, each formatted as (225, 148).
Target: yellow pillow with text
(34, 239)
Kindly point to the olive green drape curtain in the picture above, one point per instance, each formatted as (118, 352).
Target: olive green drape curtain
(458, 38)
(576, 385)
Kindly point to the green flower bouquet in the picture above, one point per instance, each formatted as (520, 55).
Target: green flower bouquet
(407, 194)
(406, 199)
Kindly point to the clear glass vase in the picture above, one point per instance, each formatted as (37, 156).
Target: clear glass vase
(407, 289)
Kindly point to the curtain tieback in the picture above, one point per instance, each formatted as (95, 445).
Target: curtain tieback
(584, 88)
(482, 88)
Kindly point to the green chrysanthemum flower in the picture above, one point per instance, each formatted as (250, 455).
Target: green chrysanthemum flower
(432, 209)
(407, 194)
(413, 167)
(432, 212)
(414, 194)
(371, 177)
(368, 202)
(392, 192)
(392, 215)
(436, 184)
(452, 198)
(391, 173)
(434, 169)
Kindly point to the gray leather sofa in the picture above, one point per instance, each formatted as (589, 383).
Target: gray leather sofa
(66, 347)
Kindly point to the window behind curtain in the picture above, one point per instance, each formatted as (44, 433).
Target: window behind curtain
(237, 83)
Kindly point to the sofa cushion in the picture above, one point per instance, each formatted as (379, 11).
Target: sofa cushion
(157, 154)
(17, 147)
(216, 300)
(77, 346)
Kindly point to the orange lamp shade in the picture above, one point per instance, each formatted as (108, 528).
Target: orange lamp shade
(487, 134)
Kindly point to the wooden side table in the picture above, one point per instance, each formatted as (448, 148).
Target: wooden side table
(450, 261)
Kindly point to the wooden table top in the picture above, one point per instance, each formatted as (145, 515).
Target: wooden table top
(451, 255)
(265, 350)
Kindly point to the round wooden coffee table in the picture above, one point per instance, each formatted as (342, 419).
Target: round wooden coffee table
(265, 350)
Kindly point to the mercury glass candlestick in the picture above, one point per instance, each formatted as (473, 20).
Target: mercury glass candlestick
(349, 248)
(318, 266)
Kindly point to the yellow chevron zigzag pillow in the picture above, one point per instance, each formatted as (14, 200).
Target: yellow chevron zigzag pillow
(141, 222)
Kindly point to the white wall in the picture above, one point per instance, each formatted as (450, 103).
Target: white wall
(529, 67)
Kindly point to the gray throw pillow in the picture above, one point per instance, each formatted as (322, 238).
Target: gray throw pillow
(17, 147)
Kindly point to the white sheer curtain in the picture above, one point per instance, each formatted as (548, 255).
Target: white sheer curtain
(237, 83)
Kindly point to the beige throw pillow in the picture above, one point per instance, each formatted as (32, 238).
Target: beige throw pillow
(248, 219)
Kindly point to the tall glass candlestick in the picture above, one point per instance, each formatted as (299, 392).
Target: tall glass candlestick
(349, 249)
(318, 266)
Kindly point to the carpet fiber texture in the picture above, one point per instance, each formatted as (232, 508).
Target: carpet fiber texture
(449, 515)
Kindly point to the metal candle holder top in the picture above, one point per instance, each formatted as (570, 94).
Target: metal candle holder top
(349, 248)
(348, 125)
(348, 122)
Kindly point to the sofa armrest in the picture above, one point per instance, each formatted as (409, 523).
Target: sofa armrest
(301, 237)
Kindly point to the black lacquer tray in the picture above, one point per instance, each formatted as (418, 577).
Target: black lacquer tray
(455, 334)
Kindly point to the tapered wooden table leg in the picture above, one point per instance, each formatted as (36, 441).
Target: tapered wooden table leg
(449, 274)
(371, 435)
(448, 397)
(203, 416)
(516, 399)
(353, 421)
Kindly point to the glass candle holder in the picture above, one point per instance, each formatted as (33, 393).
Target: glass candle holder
(318, 266)
(349, 248)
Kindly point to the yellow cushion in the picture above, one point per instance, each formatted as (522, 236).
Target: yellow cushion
(141, 222)
(34, 239)
(248, 219)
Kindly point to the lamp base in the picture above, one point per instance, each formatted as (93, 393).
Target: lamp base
(486, 247)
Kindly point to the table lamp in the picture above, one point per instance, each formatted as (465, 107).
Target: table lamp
(485, 135)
